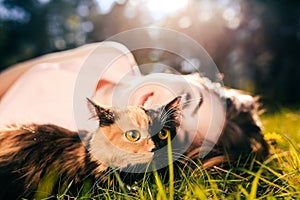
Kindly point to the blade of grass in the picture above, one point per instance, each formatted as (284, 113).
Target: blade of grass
(161, 191)
(171, 169)
(199, 193)
(62, 196)
(254, 184)
(244, 191)
(121, 184)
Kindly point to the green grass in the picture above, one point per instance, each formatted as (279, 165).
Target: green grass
(277, 178)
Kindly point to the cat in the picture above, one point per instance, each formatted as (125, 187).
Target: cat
(34, 155)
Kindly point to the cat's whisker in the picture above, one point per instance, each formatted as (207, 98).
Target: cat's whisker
(103, 177)
(170, 112)
(185, 159)
(169, 121)
(182, 103)
(165, 121)
(163, 115)
(176, 152)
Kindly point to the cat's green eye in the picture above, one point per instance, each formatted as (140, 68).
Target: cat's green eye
(133, 135)
(163, 134)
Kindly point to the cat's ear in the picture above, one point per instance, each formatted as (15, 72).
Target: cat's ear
(104, 115)
(174, 104)
(173, 109)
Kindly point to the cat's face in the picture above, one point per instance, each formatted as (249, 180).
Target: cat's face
(131, 136)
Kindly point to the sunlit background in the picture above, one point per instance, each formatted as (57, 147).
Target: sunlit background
(255, 44)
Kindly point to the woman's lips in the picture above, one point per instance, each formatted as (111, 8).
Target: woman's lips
(146, 100)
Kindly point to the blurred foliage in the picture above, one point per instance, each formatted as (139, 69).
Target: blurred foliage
(254, 43)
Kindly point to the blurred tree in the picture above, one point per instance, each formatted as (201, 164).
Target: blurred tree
(18, 40)
(35, 27)
(282, 28)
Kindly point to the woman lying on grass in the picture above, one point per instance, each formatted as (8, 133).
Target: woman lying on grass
(217, 124)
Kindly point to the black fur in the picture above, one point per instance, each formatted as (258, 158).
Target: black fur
(164, 118)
